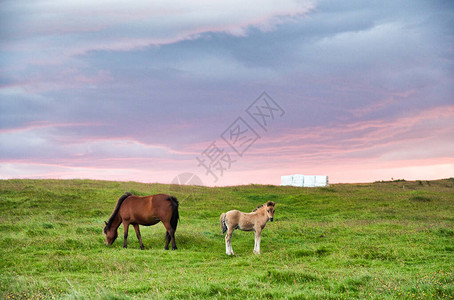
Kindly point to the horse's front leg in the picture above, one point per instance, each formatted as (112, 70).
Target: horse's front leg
(126, 227)
(139, 237)
(258, 233)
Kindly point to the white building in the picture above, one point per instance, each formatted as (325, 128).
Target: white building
(305, 180)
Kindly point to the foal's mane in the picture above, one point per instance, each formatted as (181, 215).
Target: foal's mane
(117, 208)
(258, 207)
(269, 203)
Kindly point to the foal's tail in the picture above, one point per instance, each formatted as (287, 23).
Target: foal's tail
(175, 215)
(223, 224)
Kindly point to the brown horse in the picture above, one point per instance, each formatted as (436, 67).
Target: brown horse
(254, 221)
(146, 211)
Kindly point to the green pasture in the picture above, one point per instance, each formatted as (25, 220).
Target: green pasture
(382, 240)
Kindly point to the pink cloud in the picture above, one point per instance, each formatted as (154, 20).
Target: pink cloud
(44, 124)
(379, 145)
(386, 102)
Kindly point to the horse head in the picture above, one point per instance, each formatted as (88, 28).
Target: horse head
(111, 235)
(270, 210)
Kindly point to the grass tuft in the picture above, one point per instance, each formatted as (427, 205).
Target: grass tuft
(288, 277)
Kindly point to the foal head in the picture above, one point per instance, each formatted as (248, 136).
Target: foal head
(270, 210)
(111, 235)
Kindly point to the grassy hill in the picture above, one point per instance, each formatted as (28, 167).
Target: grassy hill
(378, 240)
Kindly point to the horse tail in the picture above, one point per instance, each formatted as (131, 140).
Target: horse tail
(223, 224)
(175, 215)
(117, 208)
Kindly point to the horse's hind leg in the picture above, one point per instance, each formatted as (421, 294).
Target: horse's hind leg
(126, 227)
(170, 233)
(228, 241)
(167, 240)
(139, 237)
(172, 236)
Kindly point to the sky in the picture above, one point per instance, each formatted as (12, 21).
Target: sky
(227, 92)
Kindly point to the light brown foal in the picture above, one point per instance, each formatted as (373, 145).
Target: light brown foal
(254, 221)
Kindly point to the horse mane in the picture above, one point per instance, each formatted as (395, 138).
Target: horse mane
(269, 203)
(115, 212)
(258, 207)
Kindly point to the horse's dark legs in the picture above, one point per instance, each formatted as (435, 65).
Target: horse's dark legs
(170, 234)
(139, 237)
(167, 240)
(126, 227)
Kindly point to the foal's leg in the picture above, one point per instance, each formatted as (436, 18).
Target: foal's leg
(228, 241)
(126, 227)
(227, 247)
(139, 237)
(258, 234)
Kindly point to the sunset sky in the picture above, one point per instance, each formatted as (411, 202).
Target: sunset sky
(235, 92)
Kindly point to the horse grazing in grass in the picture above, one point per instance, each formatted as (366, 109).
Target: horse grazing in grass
(146, 211)
(254, 221)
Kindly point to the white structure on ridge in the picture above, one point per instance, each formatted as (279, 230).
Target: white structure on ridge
(305, 180)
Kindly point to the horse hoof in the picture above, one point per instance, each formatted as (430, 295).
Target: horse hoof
(257, 252)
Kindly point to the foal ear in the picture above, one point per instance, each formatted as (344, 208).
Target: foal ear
(270, 203)
(105, 223)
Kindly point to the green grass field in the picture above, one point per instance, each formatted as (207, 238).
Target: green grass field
(381, 240)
